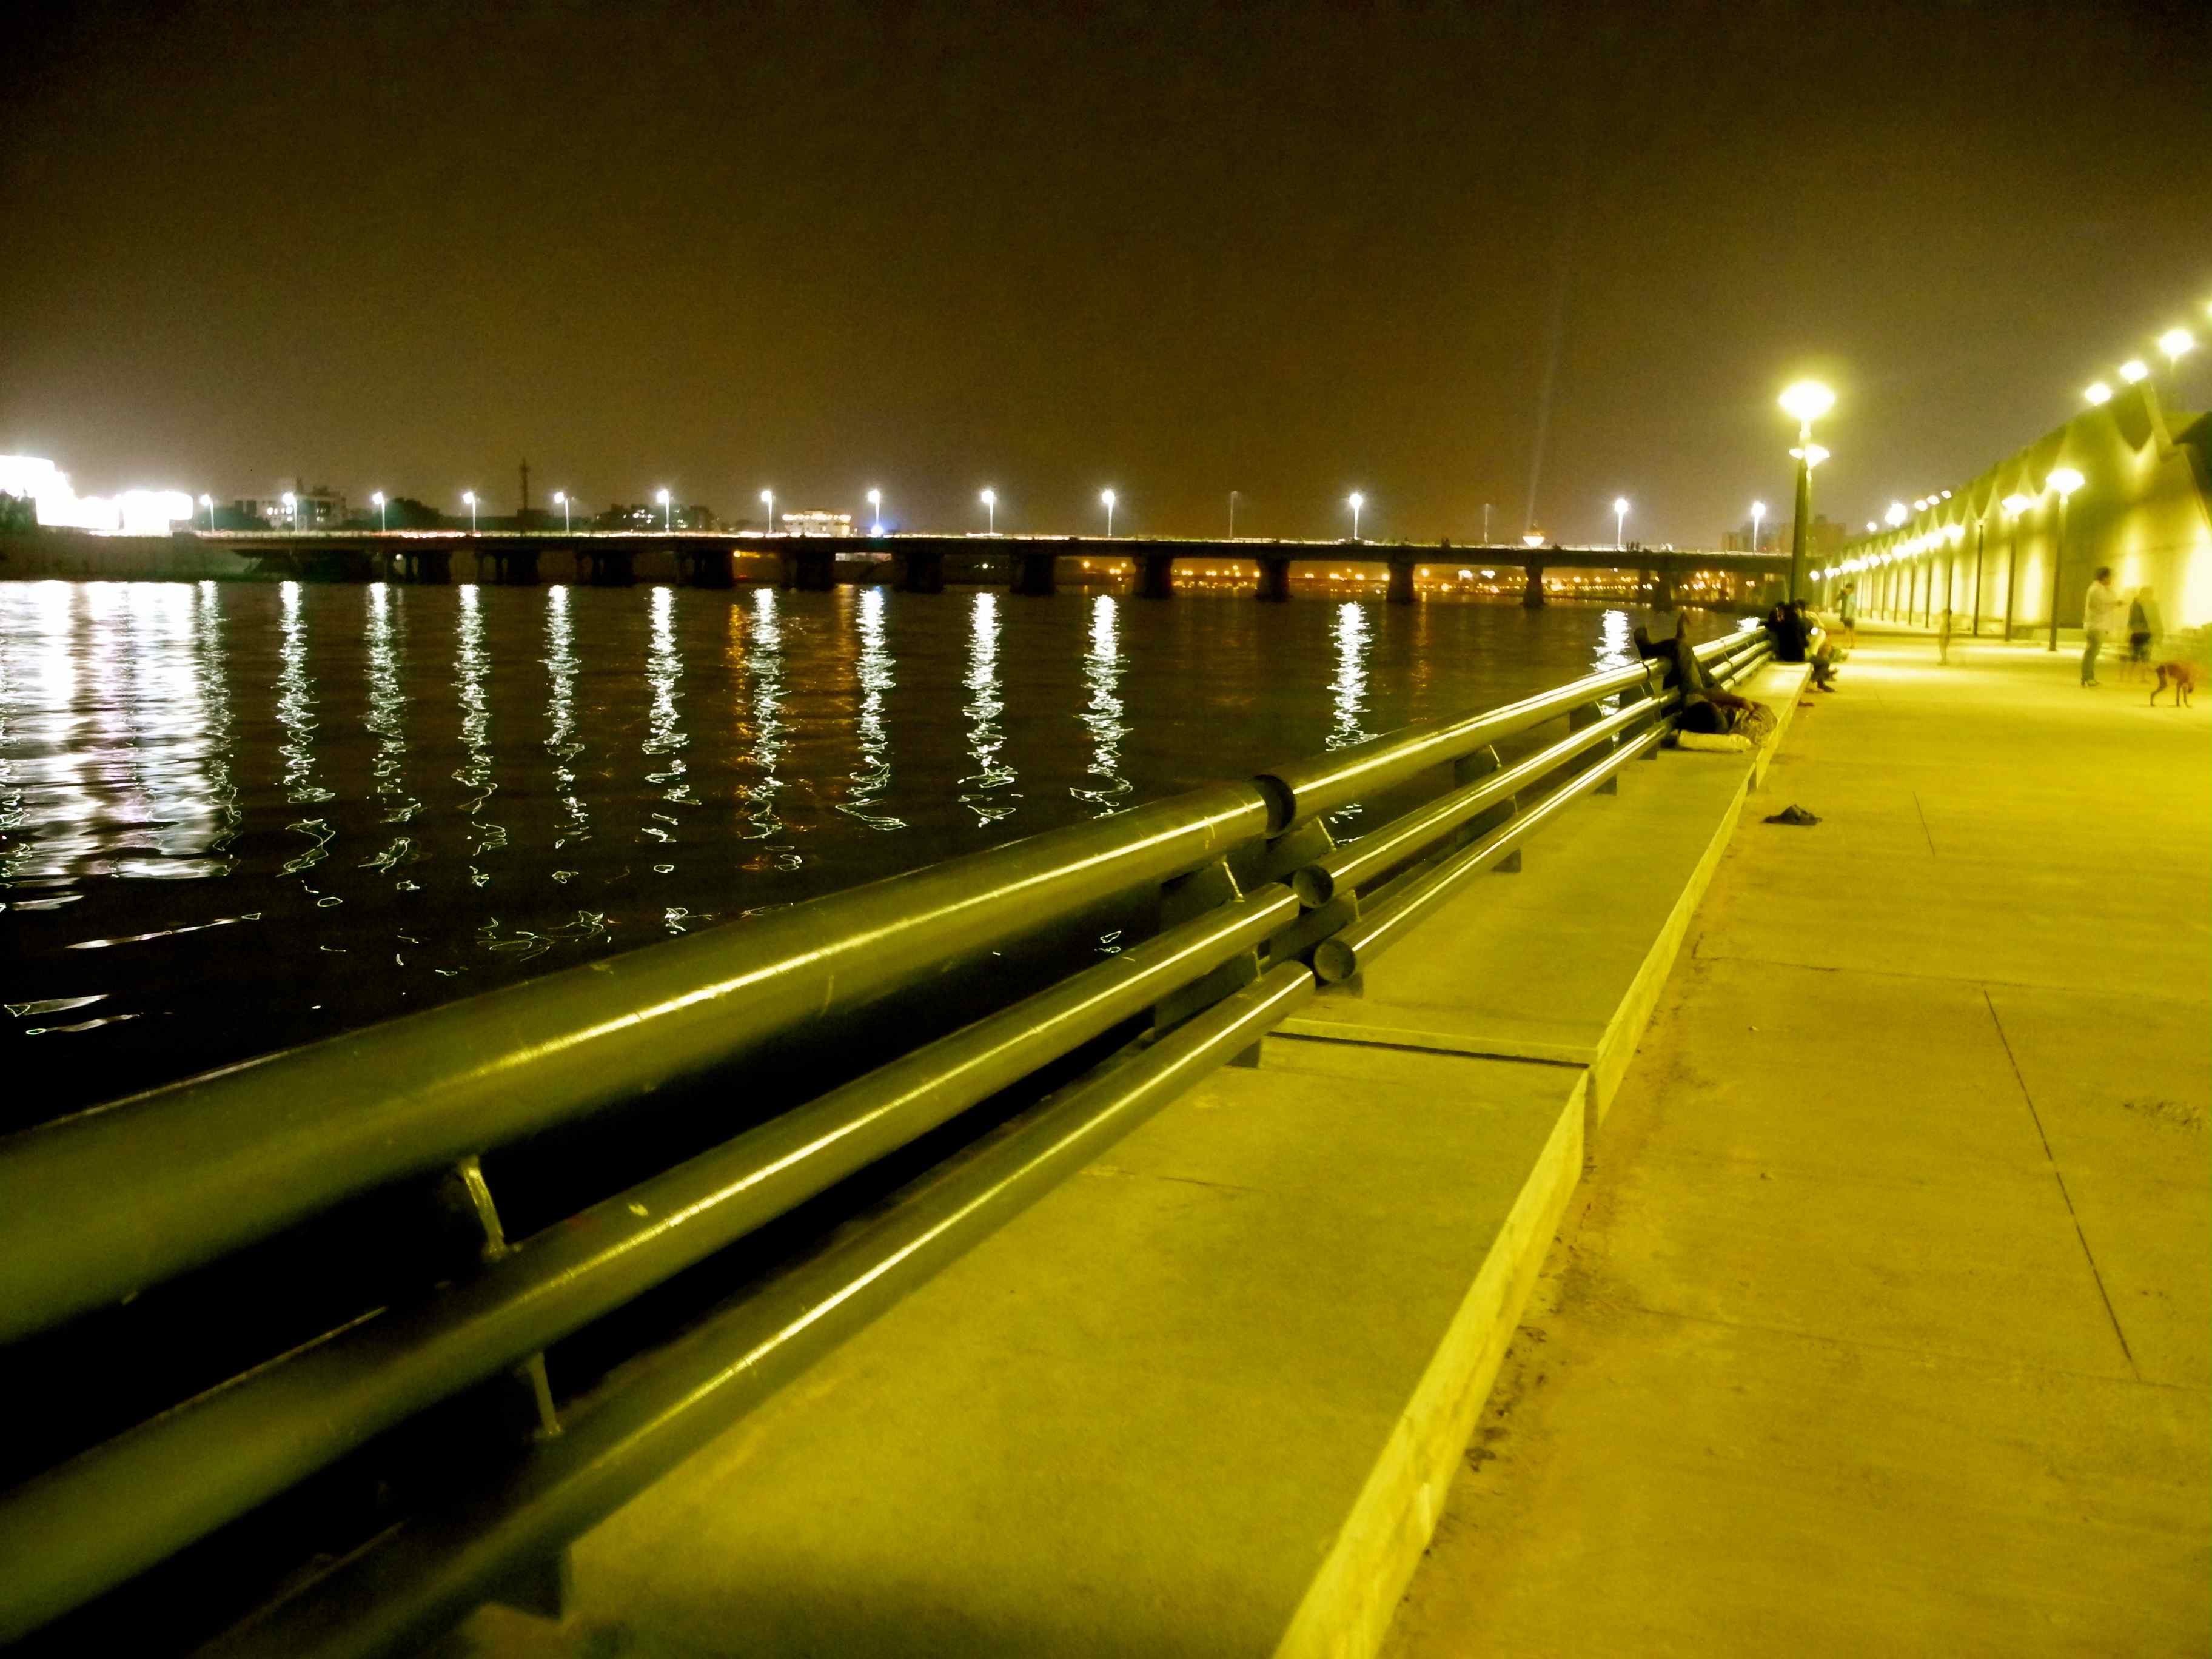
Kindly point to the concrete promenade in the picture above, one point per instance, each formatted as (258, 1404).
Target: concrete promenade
(1882, 1323)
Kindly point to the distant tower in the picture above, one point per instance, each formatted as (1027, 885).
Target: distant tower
(525, 519)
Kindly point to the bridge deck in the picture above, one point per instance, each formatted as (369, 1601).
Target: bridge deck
(1882, 1327)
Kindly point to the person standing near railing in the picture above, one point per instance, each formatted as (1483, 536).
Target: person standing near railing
(2101, 610)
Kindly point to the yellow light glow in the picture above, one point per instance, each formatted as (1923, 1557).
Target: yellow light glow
(2175, 341)
(1896, 514)
(2133, 370)
(2065, 480)
(1808, 400)
(2098, 392)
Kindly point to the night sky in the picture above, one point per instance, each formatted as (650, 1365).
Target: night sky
(1291, 251)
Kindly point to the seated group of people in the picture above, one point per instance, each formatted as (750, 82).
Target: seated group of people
(1799, 637)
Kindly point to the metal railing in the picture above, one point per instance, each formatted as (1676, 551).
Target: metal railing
(1257, 900)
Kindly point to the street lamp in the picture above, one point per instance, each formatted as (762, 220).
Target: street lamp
(562, 497)
(1619, 520)
(292, 509)
(668, 511)
(2065, 480)
(990, 499)
(1356, 501)
(2098, 392)
(383, 513)
(1807, 400)
(470, 497)
(876, 509)
(207, 501)
(1107, 496)
(2134, 370)
(768, 500)
(1895, 516)
(1758, 513)
(2176, 342)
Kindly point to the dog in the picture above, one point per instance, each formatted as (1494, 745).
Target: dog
(2183, 676)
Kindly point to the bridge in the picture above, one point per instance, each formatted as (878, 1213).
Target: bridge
(920, 563)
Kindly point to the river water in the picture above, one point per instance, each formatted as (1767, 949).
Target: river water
(235, 818)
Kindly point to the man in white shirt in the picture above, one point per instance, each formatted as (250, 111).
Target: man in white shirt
(2101, 614)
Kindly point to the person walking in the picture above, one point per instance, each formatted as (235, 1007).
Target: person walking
(1847, 611)
(2142, 632)
(2100, 611)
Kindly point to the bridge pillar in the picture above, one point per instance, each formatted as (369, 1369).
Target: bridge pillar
(511, 567)
(609, 566)
(1662, 590)
(428, 566)
(1402, 581)
(925, 570)
(1274, 578)
(1037, 575)
(708, 567)
(1532, 593)
(813, 569)
(1156, 576)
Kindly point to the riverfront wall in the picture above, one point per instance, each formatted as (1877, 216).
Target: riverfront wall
(2145, 508)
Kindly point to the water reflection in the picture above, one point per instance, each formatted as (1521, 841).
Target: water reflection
(1616, 641)
(211, 671)
(987, 792)
(1353, 638)
(562, 741)
(664, 733)
(472, 675)
(765, 725)
(387, 718)
(295, 714)
(1103, 665)
(872, 668)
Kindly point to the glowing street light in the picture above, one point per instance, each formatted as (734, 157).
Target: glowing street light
(2134, 370)
(292, 509)
(469, 496)
(383, 511)
(668, 511)
(1107, 496)
(1355, 501)
(2015, 504)
(1872, 527)
(1619, 520)
(1895, 516)
(562, 497)
(1805, 401)
(2176, 342)
(876, 510)
(207, 501)
(1758, 512)
(990, 499)
(2098, 392)
(768, 500)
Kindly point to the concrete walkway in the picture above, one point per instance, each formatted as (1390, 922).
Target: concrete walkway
(1883, 1324)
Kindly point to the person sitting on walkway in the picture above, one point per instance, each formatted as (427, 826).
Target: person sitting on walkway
(1797, 638)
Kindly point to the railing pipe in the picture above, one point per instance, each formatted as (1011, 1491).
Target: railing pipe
(87, 1525)
(1361, 860)
(1306, 789)
(419, 1580)
(97, 1206)
(1343, 954)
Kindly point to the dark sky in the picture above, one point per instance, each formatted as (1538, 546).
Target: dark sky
(1290, 250)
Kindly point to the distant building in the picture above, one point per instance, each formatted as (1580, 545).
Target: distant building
(650, 515)
(817, 524)
(1824, 539)
(319, 508)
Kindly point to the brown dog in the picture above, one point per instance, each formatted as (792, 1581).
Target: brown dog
(2182, 675)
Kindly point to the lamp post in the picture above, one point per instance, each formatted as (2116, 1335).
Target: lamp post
(207, 501)
(1808, 400)
(768, 500)
(562, 497)
(667, 511)
(1758, 514)
(383, 511)
(1355, 501)
(469, 496)
(1107, 497)
(292, 511)
(2134, 369)
(2097, 392)
(990, 499)
(2065, 480)
(2015, 504)
(876, 512)
(1619, 521)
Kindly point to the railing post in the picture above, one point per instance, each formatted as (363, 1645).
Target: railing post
(517, 1408)
(1181, 900)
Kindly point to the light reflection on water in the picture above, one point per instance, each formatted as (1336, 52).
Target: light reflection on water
(381, 796)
